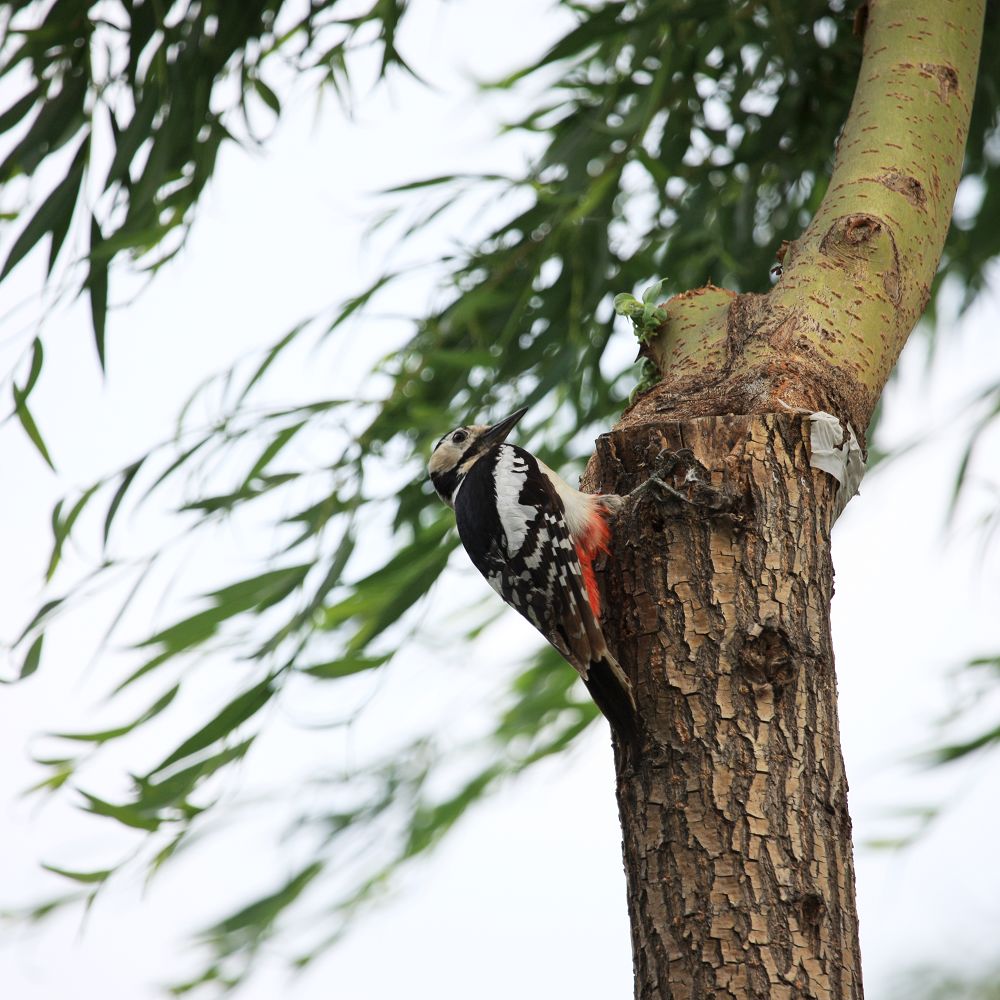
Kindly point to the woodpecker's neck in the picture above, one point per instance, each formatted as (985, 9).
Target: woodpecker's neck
(448, 482)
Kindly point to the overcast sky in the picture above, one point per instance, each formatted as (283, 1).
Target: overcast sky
(527, 897)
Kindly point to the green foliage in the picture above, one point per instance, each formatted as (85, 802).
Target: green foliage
(172, 83)
(646, 317)
(979, 703)
(934, 984)
(680, 139)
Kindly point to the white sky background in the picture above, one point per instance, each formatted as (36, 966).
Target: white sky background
(527, 897)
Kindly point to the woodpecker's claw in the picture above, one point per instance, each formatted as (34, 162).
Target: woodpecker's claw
(678, 478)
(662, 491)
(679, 466)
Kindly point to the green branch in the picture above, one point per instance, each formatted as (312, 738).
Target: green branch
(862, 271)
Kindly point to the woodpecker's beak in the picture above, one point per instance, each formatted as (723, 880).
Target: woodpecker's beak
(499, 431)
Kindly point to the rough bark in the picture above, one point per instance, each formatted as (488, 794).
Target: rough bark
(737, 838)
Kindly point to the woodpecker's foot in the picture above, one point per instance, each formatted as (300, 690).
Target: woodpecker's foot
(679, 482)
(669, 463)
(658, 490)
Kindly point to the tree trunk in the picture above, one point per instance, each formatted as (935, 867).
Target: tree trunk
(737, 838)
(733, 802)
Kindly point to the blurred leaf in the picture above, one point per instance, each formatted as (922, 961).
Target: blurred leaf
(32, 658)
(96, 285)
(956, 751)
(429, 824)
(30, 427)
(37, 355)
(253, 921)
(243, 707)
(57, 122)
(127, 475)
(270, 357)
(87, 878)
(344, 667)
(255, 594)
(106, 735)
(42, 911)
(53, 215)
(63, 526)
(268, 96)
(380, 599)
(986, 661)
(61, 773)
(154, 796)
(40, 616)
(127, 815)
(273, 449)
(961, 983)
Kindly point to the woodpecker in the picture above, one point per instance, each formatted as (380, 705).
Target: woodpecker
(534, 538)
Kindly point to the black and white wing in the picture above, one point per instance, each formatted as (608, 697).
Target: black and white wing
(512, 524)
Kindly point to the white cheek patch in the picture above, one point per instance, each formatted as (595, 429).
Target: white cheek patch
(445, 457)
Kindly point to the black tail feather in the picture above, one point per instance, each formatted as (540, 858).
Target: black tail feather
(613, 700)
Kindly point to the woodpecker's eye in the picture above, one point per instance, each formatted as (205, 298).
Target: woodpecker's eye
(459, 436)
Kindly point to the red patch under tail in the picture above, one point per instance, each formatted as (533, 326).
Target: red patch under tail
(595, 540)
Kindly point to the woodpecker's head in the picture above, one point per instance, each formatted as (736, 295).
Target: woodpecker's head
(459, 450)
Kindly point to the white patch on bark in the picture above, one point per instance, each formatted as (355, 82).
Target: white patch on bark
(834, 448)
